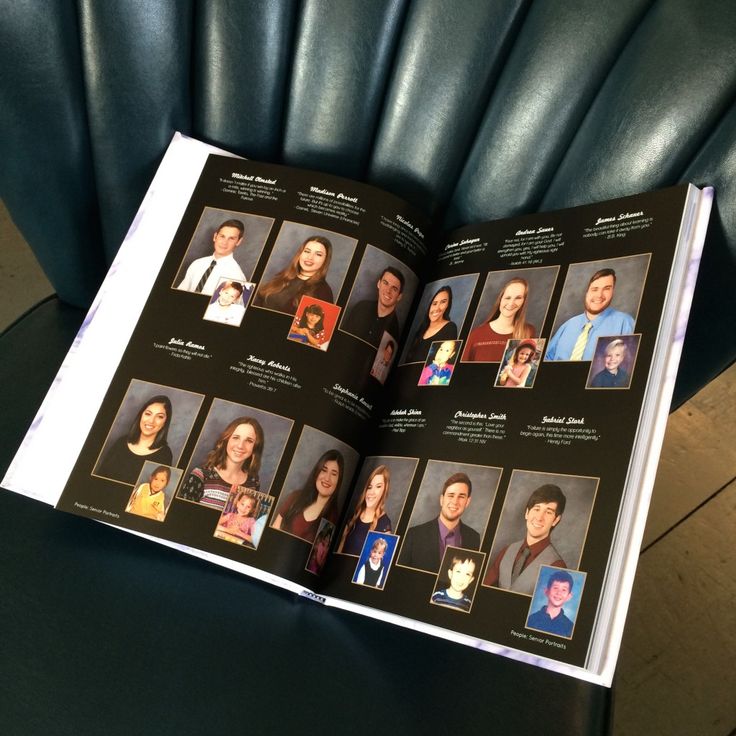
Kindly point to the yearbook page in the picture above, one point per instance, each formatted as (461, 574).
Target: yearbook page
(505, 497)
(239, 411)
(287, 373)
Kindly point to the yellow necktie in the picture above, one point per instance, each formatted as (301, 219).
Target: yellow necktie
(579, 347)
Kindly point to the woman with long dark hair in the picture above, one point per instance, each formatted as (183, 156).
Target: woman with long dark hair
(302, 510)
(436, 325)
(144, 440)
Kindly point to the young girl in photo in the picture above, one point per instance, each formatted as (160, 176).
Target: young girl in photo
(240, 522)
(320, 549)
(373, 571)
(516, 371)
(310, 327)
(149, 499)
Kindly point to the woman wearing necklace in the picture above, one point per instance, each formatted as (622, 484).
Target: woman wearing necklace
(370, 512)
(515, 373)
(303, 508)
(304, 276)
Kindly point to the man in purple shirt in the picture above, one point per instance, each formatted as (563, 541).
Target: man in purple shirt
(425, 544)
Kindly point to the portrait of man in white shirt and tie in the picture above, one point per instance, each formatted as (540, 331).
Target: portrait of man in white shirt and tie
(204, 274)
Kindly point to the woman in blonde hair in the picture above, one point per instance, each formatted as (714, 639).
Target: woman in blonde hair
(506, 321)
(370, 514)
(304, 276)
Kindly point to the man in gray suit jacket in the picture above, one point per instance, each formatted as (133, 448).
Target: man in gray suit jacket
(517, 565)
(424, 544)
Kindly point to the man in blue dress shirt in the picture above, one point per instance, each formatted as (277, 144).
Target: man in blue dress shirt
(575, 339)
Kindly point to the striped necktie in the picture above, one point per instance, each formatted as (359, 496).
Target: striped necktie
(205, 276)
(579, 347)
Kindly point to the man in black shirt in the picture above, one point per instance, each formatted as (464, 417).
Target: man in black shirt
(370, 318)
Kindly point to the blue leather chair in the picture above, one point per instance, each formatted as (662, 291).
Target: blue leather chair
(474, 110)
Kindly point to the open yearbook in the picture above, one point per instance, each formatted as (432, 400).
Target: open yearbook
(294, 375)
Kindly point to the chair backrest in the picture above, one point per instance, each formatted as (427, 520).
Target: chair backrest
(474, 110)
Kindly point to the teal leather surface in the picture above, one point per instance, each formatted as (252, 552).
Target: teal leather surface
(47, 174)
(137, 77)
(473, 110)
(241, 75)
(343, 53)
(561, 57)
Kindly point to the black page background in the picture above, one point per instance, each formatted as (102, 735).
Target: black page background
(559, 391)
(170, 313)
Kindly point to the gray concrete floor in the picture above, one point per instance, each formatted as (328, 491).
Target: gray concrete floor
(677, 668)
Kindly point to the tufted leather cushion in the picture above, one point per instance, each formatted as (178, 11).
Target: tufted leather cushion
(473, 110)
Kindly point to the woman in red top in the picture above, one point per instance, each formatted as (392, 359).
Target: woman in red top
(302, 510)
(507, 320)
